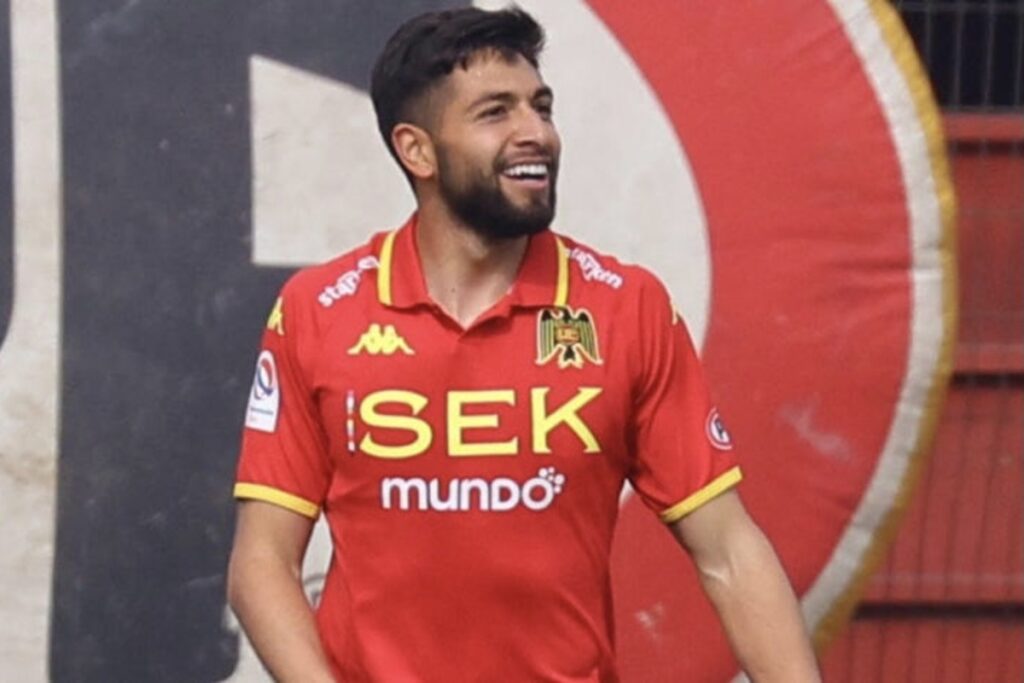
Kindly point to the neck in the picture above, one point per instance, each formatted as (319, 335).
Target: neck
(465, 272)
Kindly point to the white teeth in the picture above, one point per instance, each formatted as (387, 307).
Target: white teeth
(521, 170)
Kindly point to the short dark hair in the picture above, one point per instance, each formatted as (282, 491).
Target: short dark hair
(426, 49)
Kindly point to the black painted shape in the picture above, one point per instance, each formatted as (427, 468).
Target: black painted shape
(6, 175)
(162, 313)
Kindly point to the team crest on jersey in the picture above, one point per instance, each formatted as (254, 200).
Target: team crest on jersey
(570, 336)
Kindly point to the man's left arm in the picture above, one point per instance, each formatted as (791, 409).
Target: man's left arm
(744, 579)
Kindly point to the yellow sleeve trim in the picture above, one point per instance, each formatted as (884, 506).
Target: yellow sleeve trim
(562, 287)
(268, 494)
(384, 269)
(720, 484)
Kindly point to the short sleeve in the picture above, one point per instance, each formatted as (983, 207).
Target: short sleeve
(284, 457)
(683, 455)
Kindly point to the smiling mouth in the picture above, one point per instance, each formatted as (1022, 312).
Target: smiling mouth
(531, 177)
(533, 173)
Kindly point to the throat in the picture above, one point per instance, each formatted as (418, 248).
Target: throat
(465, 273)
(466, 305)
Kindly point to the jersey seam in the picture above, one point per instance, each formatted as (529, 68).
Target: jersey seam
(323, 332)
(290, 347)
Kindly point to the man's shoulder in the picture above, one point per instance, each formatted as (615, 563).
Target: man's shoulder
(630, 296)
(344, 277)
(601, 273)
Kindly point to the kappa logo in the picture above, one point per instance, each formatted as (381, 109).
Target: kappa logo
(276, 320)
(568, 335)
(379, 340)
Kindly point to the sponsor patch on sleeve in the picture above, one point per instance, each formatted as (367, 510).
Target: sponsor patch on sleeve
(717, 434)
(265, 397)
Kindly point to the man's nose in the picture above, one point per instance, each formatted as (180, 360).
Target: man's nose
(533, 128)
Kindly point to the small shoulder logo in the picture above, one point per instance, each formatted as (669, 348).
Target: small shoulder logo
(276, 320)
(381, 340)
(716, 431)
(347, 283)
(568, 335)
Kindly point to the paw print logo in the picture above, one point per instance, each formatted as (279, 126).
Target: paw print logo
(554, 478)
(540, 491)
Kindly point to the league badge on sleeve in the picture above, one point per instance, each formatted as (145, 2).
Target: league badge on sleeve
(265, 397)
(717, 434)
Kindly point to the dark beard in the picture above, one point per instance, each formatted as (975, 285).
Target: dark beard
(485, 209)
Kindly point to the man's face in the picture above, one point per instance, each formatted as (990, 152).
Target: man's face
(497, 147)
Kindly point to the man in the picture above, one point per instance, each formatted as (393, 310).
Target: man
(464, 397)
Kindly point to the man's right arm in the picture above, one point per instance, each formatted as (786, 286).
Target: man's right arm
(265, 592)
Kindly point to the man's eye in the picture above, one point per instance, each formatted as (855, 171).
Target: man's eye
(544, 109)
(492, 112)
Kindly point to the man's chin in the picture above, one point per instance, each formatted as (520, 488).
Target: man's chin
(529, 200)
(505, 215)
(509, 228)
(535, 210)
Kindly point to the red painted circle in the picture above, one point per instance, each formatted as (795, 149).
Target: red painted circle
(811, 295)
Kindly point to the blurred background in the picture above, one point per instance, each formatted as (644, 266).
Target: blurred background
(948, 602)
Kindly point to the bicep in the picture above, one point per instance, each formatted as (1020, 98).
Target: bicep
(716, 530)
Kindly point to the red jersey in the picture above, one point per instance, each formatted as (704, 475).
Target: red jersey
(471, 477)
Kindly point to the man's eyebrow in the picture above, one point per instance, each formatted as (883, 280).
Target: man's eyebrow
(506, 96)
(496, 96)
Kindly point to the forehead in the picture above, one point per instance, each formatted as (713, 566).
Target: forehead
(491, 72)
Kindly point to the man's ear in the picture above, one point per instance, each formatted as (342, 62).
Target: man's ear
(415, 150)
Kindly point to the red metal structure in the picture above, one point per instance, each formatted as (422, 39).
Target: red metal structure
(948, 602)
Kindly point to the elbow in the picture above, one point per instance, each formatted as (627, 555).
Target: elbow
(251, 569)
(235, 582)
